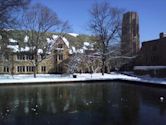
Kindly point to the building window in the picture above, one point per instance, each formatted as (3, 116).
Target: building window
(6, 69)
(21, 57)
(30, 68)
(6, 57)
(43, 68)
(60, 57)
(154, 58)
(29, 57)
(1, 57)
(59, 68)
(60, 45)
(20, 68)
(56, 57)
(55, 51)
(154, 48)
(25, 57)
(18, 57)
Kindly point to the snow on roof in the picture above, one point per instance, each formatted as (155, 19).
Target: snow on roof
(66, 41)
(15, 48)
(59, 48)
(73, 34)
(73, 49)
(86, 43)
(50, 42)
(88, 46)
(25, 49)
(26, 39)
(149, 67)
(12, 40)
(84, 48)
(80, 50)
(55, 37)
(40, 51)
(70, 51)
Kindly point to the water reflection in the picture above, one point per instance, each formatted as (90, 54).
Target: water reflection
(84, 104)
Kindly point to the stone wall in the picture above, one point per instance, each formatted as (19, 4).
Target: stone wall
(53, 63)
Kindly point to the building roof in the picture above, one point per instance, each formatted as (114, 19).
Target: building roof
(15, 48)
(55, 38)
(154, 41)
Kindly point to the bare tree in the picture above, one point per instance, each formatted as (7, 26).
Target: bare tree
(92, 62)
(9, 11)
(37, 21)
(83, 62)
(105, 23)
(74, 63)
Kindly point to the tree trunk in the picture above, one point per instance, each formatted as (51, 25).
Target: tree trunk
(35, 65)
(108, 68)
(34, 72)
(12, 65)
(103, 66)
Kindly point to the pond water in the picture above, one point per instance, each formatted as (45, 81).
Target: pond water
(109, 103)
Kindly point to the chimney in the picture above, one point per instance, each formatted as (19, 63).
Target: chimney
(162, 35)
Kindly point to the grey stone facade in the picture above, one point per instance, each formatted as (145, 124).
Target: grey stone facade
(130, 34)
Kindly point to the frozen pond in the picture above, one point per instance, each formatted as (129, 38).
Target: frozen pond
(110, 103)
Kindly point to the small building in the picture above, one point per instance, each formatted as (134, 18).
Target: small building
(151, 58)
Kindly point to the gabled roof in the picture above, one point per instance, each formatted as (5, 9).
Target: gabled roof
(55, 38)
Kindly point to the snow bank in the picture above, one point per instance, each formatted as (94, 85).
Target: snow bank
(56, 78)
(149, 67)
(47, 78)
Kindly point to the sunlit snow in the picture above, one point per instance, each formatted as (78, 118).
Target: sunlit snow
(46, 78)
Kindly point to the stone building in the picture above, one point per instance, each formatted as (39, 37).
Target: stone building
(20, 60)
(152, 52)
(151, 58)
(130, 34)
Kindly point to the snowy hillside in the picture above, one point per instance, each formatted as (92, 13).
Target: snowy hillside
(73, 34)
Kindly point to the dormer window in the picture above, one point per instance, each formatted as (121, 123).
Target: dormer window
(60, 45)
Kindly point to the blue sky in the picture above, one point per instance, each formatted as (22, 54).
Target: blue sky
(152, 14)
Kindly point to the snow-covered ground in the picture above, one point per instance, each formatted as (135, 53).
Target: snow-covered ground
(43, 78)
